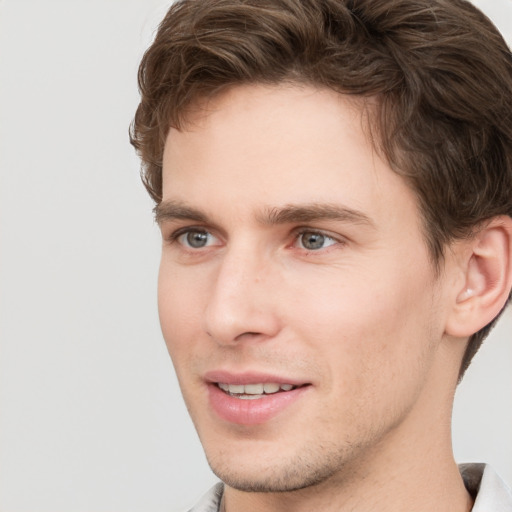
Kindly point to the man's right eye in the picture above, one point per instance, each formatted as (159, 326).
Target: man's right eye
(196, 239)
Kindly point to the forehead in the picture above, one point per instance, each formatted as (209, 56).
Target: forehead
(268, 146)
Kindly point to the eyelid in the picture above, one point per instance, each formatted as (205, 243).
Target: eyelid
(338, 239)
(176, 233)
(325, 232)
(174, 237)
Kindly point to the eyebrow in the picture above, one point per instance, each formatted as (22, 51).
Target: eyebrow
(288, 214)
(174, 210)
(313, 212)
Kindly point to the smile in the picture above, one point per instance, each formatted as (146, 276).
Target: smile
(249, 400)
(254, 391)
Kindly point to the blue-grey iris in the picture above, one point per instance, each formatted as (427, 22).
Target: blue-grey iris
(312, 241)
(197, 239)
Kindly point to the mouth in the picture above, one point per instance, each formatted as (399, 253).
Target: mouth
(252, 398)
(254, 391)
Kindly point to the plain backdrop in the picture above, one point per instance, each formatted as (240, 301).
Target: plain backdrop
(91, 419)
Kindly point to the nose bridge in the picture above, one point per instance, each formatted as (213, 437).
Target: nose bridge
(239, 301)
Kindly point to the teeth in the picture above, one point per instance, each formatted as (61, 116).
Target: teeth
(254, 390)
(236, 388)
(271, 388)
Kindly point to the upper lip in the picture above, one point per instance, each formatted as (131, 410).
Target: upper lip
(226, 377)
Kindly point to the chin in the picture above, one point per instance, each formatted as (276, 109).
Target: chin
(281, 475)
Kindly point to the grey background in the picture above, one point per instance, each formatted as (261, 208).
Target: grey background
(91, 418)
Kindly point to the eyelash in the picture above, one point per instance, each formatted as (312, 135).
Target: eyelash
(173, 238)
(175, 235)
(302, 231)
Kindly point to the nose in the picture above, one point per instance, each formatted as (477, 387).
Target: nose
(241, 306)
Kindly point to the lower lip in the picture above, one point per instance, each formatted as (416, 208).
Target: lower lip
(251, 412)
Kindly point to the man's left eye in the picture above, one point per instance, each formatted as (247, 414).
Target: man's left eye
(313, 240)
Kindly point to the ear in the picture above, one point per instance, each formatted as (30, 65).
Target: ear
(487, 278)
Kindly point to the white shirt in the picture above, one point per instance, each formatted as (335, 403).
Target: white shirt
(490, 492)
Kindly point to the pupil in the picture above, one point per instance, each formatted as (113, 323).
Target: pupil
(313, 241)
(197, 239)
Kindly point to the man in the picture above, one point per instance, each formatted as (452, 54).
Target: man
(333, 183)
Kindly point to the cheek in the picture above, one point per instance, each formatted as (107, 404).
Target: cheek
(367, 330)
(179, 308)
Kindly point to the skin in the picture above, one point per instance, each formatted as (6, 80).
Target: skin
(361, 318)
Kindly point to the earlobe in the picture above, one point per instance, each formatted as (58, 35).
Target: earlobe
(487, 269)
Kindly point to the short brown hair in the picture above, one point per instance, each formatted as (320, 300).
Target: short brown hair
(439, 69)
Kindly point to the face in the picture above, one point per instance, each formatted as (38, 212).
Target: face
(296, 294)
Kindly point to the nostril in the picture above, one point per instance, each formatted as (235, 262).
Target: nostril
(240, 337)
(246, 335)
